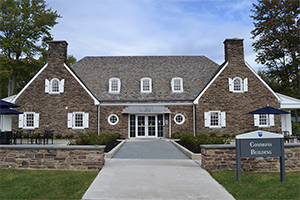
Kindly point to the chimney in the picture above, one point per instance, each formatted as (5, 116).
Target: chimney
(57, 52)
(234, 50)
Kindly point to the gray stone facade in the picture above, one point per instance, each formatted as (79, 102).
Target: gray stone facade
(87, 82)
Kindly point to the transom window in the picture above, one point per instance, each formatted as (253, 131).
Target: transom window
(146, 85)
(238, 85)
(114, 85)
(54, 86)
(179, 119)
(113, 119)
(177, 84)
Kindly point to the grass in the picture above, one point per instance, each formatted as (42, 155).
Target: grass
(42, 184)
(259, 185)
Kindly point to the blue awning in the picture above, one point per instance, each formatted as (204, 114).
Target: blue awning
(8, 111)
(268, 110)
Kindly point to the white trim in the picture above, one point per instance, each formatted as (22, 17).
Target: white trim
(196, 101)
(26, 86)
(110, 85)
(287, 102)
(77, 79)
(181, 84)
(72, 73)
(146, 104)
(113, 115)
(253, 71)
(142, 85)
(183, 119)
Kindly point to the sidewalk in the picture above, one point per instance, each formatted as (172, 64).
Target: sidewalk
(141, 175)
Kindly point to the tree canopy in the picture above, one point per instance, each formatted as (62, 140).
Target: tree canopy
(24, 30)
(277, 42)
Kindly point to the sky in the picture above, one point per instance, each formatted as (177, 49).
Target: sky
(153, 27)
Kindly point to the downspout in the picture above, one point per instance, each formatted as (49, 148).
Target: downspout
(170, 125)
(194, 121)
(99, 119)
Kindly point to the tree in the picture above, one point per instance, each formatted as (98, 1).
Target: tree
(277, 32)
(24, 30)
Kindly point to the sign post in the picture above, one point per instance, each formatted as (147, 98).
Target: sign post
(259, 144)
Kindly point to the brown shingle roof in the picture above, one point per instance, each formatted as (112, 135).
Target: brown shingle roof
(95, 72)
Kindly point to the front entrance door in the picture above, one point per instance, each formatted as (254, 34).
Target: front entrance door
(146, 126)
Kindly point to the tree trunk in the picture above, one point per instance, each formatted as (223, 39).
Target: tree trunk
(296, 116)
(11, 84)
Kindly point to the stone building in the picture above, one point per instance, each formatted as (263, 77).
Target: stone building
(149, 96)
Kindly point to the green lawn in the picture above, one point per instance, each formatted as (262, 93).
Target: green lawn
(42, 184)
(253, 185)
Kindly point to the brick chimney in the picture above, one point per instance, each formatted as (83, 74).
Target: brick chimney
(234, 50)
(57, 52)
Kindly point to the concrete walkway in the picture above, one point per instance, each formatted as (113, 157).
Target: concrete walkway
(153, 170)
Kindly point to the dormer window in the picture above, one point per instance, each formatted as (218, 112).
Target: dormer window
(177, 84)
(54, 86)
(237, 85)
(114, 85)
(146, 85)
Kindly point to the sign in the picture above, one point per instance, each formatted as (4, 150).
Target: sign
(260, 144)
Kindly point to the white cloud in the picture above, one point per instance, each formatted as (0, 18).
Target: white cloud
(153, 27)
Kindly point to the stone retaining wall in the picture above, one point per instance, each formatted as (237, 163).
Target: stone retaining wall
(52, 158)
(222, 158)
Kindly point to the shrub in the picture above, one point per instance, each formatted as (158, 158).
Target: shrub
(295, 128)
(176, 135)
(70, 136)
(94, 139)
(58, 136)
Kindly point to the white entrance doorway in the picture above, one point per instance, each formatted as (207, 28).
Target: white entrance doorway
(146, 126)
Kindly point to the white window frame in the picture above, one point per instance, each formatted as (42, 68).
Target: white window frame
(49, 86)
(269, 119)
(23, 120)
(111, 81)
(243, 85)
(143, 80)
(221, 119)
(109, 119)
(173, 84)
(175, 119)
(72, 120)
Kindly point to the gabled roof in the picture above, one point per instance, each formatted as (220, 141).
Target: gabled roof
(72, 73)
(95, 72)
(287, 102)
(222, 67)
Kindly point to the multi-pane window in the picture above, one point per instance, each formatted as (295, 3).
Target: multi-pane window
(132, 126)
(114, 85)
(264, 120)
(78, 120)
(113, 119)
(215, 119)
(238, 85)
(146, 85)
(54, 86)
(179, 119)
(29, 120)
(177, 84)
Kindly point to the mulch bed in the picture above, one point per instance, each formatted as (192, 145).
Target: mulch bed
(190, 147)
(111, 145)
